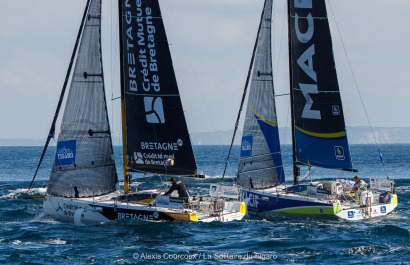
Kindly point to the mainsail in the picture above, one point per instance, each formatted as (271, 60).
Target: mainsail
(156, 138)
(319, 133)
(260, 163)
(84, 164)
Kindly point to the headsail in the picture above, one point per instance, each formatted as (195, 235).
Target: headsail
(318, 123)
(156, 138)
(260, 163)
(84, 163)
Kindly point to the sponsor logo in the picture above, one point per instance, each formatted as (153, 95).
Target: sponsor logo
(169, 162)
(246, 146)
(65, 154)
(321, 210)
(335, 110)
(161, 146)
(339, 152)
(305, 61)
(156, 215)
(153, 159)
(350, 214)
(154, 110)
(138, 158)
(383, 209)
(252, 199)
(135, 216)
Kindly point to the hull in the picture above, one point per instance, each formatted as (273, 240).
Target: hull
(96, 210)
(278, 201)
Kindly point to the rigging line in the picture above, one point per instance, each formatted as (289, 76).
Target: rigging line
(112, 69)
(193, 70)
(244, 92)
(355, 81)
(60, 101)
(280, 47)
(115, 53)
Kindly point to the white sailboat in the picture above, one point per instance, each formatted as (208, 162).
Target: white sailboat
(319, 137)
(83, 186)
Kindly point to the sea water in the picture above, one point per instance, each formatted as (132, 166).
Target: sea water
(27, 236)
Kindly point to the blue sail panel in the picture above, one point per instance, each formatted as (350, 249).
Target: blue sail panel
(271, 134)
(334, 153)
(246, 146)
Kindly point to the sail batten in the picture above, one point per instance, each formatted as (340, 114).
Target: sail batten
(260, 163)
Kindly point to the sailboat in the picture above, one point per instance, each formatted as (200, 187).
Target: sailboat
(83, 186)
(319, 137)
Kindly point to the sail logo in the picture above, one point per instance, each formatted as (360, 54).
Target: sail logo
(138, 158)
(65, 154)
(246, 146)
(335, 110)
(154, 110)
(305, 61)
(340, 154)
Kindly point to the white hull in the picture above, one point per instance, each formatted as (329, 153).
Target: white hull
(95, 210)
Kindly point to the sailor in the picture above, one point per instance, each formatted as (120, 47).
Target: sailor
(76, 192)
(180, 186)
(359, 184)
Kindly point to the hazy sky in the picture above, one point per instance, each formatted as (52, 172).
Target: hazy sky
(212, 41)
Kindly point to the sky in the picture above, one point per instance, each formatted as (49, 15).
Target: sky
(211, 45)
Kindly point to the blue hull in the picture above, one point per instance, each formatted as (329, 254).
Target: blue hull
(260, 202)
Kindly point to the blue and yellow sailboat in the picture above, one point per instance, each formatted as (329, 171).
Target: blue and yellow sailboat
(319, 137)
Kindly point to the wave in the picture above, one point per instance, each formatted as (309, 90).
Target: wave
(392, 230)
(21, 193)
(55, 241)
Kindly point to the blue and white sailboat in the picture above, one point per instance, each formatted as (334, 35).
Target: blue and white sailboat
(319, 135)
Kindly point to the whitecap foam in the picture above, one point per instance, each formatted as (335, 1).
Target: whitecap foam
(18, 193)
(56, 241)
(16, 242)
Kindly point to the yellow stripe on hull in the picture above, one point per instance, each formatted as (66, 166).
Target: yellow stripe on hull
(182, 216)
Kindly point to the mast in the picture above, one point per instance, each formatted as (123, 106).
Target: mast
(295, 167)
(123, 126)
(60, 101)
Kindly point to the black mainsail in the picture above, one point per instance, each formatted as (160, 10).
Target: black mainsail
(84, 163)
(155, 133)
(260, 163)
(319, 133)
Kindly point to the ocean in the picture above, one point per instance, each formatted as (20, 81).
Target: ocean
(27, 236)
